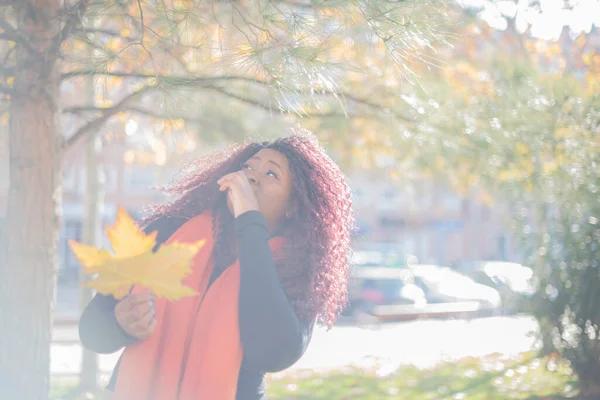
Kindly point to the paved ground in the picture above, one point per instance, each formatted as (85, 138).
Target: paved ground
(422, 343)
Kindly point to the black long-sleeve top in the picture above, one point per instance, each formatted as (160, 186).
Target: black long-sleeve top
(272, 336)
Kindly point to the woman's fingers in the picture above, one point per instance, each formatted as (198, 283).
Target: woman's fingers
(230, 181)
(240, 196)
(143, 326)
(226, 178)
(234, 177)
(136, 314)
(141, 309)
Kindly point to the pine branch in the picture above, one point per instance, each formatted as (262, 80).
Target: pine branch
(107, 113)
(166, 47)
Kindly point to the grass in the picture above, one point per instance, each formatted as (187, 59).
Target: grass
(489, 378)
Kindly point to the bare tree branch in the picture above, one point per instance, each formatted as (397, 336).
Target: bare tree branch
(4, 36)
(7, 55)
(107, 113)
(134, 110)
(185, 81)
(7, 90)
(252, 102)
(298, 5)
(211, 83)
(6, 70)
(13, 35)
(142, 24)
(74, 15)
(107, 32)
(268, 107)
(173, 80)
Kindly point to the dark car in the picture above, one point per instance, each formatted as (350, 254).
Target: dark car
(378, 291)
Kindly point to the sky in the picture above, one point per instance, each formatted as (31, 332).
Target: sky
(546, 20)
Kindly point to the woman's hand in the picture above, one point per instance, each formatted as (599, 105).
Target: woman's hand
(135, 314)
(240, 197)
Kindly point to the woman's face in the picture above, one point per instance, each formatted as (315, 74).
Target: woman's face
(269, 175)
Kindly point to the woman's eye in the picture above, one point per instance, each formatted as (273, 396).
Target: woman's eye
(273, 174)
(246, 166)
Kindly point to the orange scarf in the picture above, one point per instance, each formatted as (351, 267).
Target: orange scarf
(195, 353)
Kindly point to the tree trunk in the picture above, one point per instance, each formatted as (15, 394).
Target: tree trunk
(28, 249)
(92, 224)
(91, 236)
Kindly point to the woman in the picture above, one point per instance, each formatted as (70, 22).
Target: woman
(276, 218)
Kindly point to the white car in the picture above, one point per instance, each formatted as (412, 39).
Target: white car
(445, 285)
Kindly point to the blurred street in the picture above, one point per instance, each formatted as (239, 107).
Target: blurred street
(422, 343)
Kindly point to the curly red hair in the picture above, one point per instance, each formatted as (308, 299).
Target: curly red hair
(314, 270)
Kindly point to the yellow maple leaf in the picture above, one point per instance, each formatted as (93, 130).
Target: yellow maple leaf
(159, 272)
(133, 262)
(126, 238)
(90, 256)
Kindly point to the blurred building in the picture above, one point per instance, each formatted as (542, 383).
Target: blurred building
(429, 221)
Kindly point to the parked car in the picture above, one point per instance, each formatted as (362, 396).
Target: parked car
(513, 281)
(445, 285)
(376, 290)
